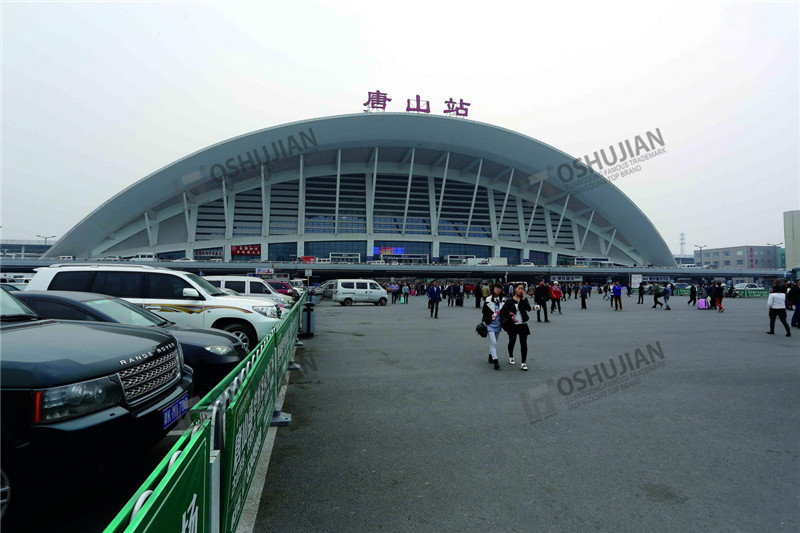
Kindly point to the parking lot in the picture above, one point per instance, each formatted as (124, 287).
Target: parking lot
(399, 423)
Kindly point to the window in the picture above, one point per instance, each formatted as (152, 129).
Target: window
(726, 254)
(740, 261)
(119, 284)
(361, 285)
(238, 286)
(58, 310)
(727, 263)
(258, 288)
(739, 252)
(348, 285)
(167, 286)
(716, 254)
(71, 281)
(374, 286)
(215, 283)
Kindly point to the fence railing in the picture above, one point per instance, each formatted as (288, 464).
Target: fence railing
(202, 483)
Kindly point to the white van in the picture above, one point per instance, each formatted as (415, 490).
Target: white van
(250, 286)
(350, 291)
(146, 256)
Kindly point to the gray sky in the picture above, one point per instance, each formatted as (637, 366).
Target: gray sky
(95, 96)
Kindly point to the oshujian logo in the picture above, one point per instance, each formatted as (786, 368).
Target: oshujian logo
(588, 385)
(619, 160)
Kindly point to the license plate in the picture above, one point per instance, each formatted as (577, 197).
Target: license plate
(174, 411)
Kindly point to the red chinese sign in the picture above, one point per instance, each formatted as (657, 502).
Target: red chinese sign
(376, 101)
(254, 249)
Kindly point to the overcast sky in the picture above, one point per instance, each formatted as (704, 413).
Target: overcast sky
(95, 96)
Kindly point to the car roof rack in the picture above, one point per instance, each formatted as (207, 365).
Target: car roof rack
(102, 265)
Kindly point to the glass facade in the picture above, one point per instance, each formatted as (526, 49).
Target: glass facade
(514, 255)
(447, 248)
(322, 249)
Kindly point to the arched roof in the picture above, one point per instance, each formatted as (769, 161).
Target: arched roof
(506, 161)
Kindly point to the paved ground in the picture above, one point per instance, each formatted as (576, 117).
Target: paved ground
(399, 424)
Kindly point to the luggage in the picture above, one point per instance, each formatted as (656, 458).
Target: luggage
(460, 300)
(702, 303)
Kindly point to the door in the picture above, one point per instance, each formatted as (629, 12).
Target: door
(164, 296)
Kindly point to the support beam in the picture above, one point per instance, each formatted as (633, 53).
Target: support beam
(505, 200)
(474, 195)
(610, 242)
(441, 193)
(586, 234)
(338, 185)
(561, 219)
(301, 193)
(533, 212)
(371, 184)
(408, 189)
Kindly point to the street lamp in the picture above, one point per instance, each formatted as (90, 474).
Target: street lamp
(701, 252)
(45, 238)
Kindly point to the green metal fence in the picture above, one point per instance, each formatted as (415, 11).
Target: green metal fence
(202, 484)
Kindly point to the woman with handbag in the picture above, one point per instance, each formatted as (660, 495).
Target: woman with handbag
(514, 319)
(491, 317)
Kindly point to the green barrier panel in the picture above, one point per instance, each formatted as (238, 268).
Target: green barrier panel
(180, 496)
(754, 293)
(247, 420)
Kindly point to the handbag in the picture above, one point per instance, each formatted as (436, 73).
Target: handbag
(507, 325)
(482, 330)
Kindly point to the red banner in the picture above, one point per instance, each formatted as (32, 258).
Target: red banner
(254, 249)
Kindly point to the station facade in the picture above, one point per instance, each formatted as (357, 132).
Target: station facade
(373, 185)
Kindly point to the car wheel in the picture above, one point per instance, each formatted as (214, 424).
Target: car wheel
(347, 302)
(382, 301)
(242, 332)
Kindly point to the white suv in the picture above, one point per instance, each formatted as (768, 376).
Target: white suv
(181, 297)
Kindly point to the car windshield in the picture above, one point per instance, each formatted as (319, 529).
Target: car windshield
(13, 309)
(126, 313)
(205, 285)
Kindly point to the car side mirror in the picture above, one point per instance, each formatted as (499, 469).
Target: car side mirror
(191, 293)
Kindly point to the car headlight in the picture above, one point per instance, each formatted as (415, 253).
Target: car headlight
(78, 399)
(221, 350)
(267, 310)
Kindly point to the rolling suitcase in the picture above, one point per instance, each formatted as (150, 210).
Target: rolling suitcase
(702, 303)
(460, 300)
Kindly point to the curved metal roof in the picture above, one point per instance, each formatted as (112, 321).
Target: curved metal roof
(526, 166)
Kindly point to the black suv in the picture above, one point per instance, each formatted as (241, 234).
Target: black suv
(72, 394)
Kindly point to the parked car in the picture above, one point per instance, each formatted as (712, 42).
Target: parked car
(250, 286)
(742, 286)
(180, 297)
(73, 394)
(283, 287)
(211, 353)
(110, 258)
(350, 291)
(324, 290)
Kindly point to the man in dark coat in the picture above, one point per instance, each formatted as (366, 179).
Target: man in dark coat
(692, 295)
(794, 297)
(540, 296)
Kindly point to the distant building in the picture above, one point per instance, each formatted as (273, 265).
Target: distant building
(21, 249)
(739, 257)
(684, 259)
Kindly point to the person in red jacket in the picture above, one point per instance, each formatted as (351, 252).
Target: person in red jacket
(555, 298)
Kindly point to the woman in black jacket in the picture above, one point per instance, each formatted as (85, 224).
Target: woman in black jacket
(514, 318)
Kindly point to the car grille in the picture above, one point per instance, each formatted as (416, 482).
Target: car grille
(139, 381)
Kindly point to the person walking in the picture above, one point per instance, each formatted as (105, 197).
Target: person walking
(555, 298)
(477, 291)
(515, 310)
(540, 296)
(406, 293)
(434, 297)
(491, 317)
(641, 293)
(794, 297)
(616, 296)
(656, 295)
(719, 294)
(585, 291)
(692, 295)
(776, 303)
(667, 294)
